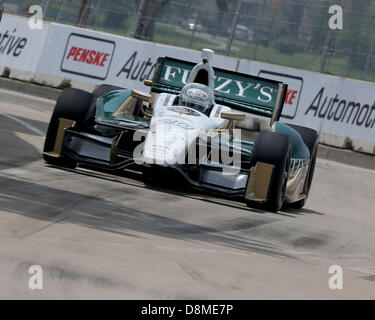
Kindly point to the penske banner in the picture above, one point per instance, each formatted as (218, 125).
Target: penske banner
(88, 56)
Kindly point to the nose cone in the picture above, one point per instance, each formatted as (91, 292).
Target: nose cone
(160, 157)
(165, 148)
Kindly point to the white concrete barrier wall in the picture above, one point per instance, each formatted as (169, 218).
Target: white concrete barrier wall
(342, 110)
(88, 56)
(20, 47)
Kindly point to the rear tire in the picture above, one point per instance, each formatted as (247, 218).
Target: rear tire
(311, 139)
(275, 149)
(73, 104)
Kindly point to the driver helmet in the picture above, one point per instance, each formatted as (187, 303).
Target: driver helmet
(197, 96)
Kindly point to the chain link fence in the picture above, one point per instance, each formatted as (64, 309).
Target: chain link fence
(291, 33)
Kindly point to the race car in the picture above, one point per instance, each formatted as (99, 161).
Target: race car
(185, 129)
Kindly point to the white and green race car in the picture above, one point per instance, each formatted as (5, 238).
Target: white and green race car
(184, 129)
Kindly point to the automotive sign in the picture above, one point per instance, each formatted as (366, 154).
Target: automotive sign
(88, 56)
(20, 46)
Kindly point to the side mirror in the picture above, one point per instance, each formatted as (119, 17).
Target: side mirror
(233, 116)
(147, 83)
(141, 95)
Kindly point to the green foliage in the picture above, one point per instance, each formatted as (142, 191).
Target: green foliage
(168, 35)
(114, 19)
(293, 34)
(285, 44)
(222, 5)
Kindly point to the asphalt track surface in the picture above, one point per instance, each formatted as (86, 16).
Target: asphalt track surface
(97, 235)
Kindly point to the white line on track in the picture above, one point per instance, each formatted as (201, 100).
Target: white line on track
(25, 124)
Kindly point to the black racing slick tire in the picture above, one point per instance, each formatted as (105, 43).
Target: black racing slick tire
(275, 149)
(309, 136)
(72, 104)
(311, 139)
(103, 89)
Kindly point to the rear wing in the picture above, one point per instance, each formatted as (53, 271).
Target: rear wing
(239, 91)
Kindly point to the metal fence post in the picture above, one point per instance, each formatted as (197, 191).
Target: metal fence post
(59, 12)
(46, 5)
(83, 16)
(138, 17)
(325, 51)
(195, 26)
(368, 59)
(233, 27)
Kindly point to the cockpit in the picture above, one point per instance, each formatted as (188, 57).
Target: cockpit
(198, 93)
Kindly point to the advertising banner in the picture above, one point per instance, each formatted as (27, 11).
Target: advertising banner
(329, 104)
(87, 56)
(96, 57)
(20, 46)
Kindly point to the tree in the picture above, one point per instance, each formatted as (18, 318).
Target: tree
(147, 10)
(222, 5)
(294, 14)
(83, 13)
(116, 15)
(357, 35)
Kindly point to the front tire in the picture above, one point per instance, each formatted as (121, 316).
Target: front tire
(73, 104)
(103, 89)
(311, 139)
(275, 149)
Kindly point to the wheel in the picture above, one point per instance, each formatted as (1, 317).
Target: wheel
(309, 136)
(301, 203)
(273, 148)
(104, 89)
(311, 139)
(73, 104)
